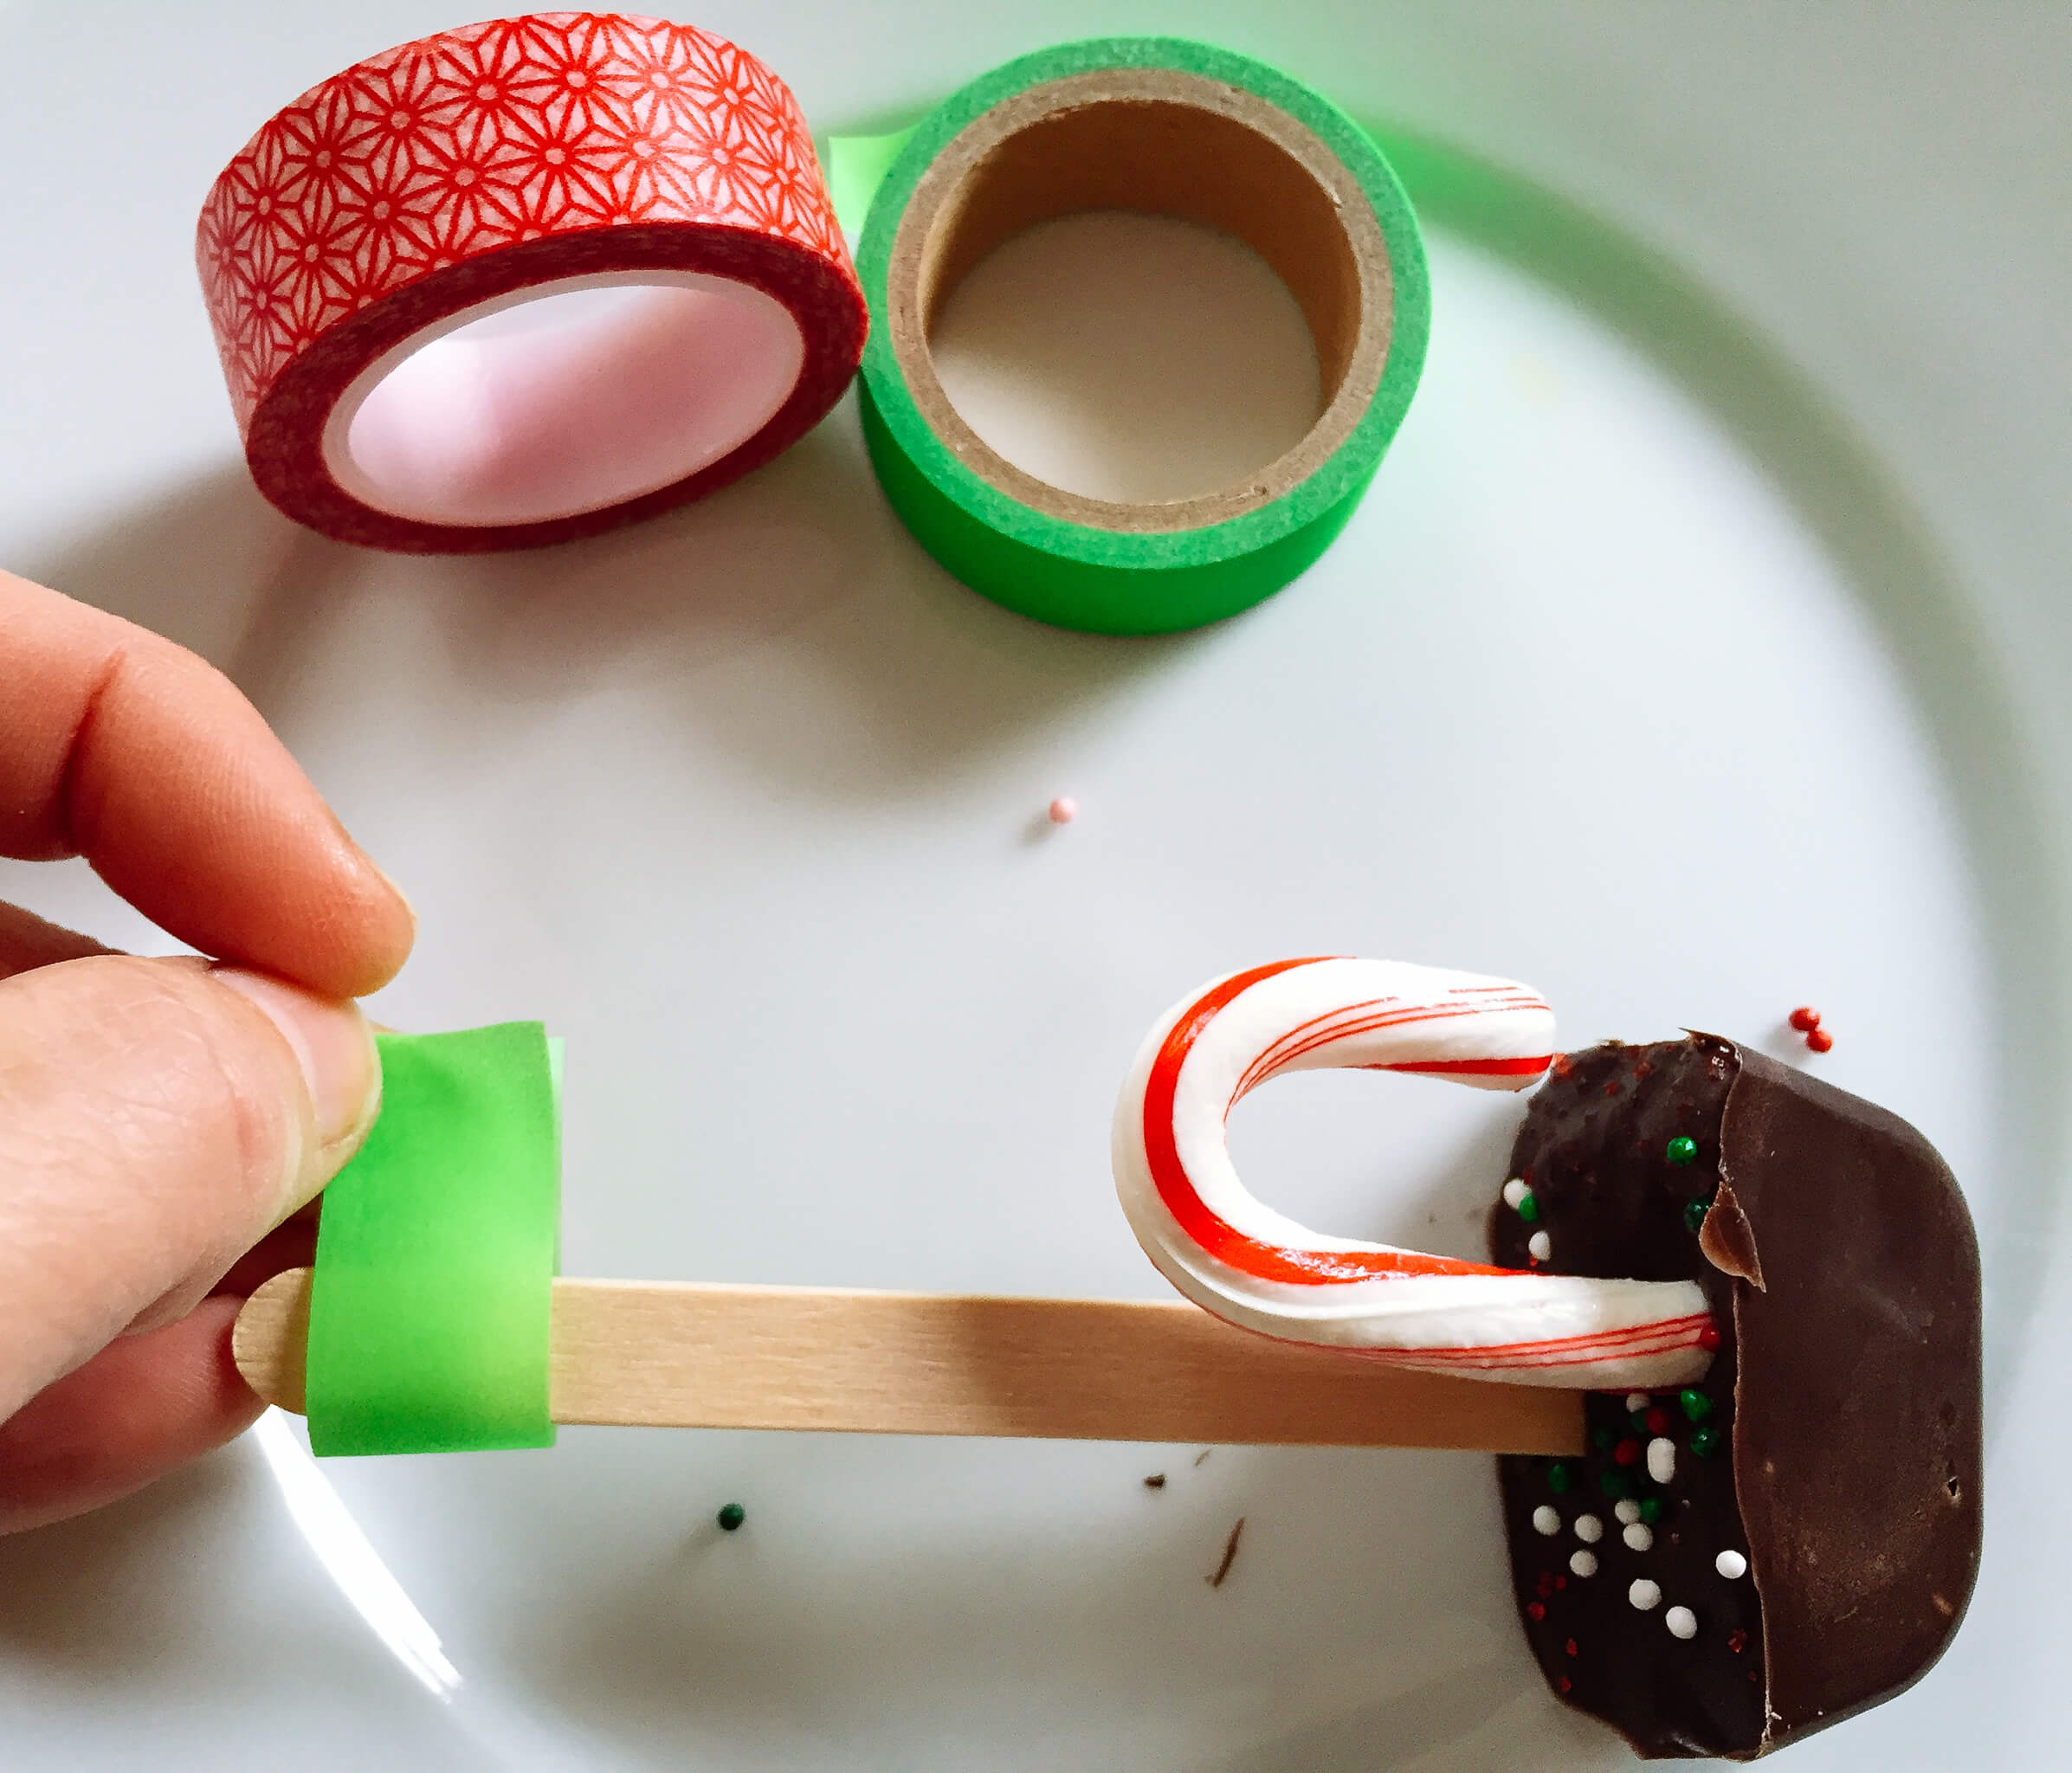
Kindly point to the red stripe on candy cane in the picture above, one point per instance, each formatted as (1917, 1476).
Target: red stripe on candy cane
(1321, 1030)
(1217, 1235)
(1571, 1351)
(1399, 1005)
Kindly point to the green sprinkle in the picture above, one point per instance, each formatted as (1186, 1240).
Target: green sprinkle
(1616, 1485)
(730, 1516)
(1602, 1438)
(1650, 1509)
(1694, 1212)
(1638, 1421)
(1696, 1405)
(1683, 1150)
(1705, 1442)
(1560, 1480)
(1529, 1209)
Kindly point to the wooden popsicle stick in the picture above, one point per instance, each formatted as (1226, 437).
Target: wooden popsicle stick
(695, 1356)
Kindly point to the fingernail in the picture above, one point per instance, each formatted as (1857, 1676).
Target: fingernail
(331, 1043)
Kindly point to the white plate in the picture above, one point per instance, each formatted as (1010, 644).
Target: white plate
(1695, 654)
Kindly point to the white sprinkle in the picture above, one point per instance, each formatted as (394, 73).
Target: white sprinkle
(1636, 1400)
(1639, 1536)
(1681, 1622)
(1627, 1510)
(1541, 1245)
(1589, 1529)
(1732, 1565)
(1544, 1521)
(1644, 1593)
(1514, 1191)
(1583, 1563)
(1661, 1459)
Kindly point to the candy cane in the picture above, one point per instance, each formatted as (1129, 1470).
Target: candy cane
(1257, 1269)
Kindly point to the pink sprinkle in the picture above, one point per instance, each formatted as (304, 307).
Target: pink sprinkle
(1063, 810)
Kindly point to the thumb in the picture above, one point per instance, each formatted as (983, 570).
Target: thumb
(157, 1118)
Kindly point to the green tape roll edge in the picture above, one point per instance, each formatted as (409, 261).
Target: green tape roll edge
(1085, 576)
(430, 1311)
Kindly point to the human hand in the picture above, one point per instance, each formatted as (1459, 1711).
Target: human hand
(161, 1121)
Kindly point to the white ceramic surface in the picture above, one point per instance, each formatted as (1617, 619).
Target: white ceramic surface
(1696, 654)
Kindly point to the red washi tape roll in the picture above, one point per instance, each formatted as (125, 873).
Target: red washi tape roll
(525, 280)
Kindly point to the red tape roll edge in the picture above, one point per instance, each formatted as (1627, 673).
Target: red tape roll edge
(482, 162)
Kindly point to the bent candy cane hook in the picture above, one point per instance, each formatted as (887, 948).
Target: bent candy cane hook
(1257, 1269)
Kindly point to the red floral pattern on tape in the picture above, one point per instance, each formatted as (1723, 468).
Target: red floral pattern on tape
(480, 161)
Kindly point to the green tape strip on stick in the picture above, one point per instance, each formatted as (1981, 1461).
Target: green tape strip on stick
(1170, 127)
(429, 1313)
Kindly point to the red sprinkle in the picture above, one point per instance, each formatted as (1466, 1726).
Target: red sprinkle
(1819, 1039)
(1571, 1647)
(1561, 1581)
(1708, 1338)
(1535, 1611)
(1736, 1641)
(1658, 1420)
(1545, 1584)
(1562, 1683)
(1805, 1020)
(1627, 1452)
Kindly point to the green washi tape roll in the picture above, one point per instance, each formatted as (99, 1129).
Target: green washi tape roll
(1170, 127)
(429, 1315)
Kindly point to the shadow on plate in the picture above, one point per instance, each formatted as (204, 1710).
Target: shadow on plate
(97, 1596)
(801, 563)
(1922, 613)
(194, 564)
(1100, 1621)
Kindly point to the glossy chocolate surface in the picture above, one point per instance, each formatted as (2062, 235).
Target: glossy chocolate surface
(1843, 1400)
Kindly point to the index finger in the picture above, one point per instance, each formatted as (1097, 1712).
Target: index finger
(117, 746)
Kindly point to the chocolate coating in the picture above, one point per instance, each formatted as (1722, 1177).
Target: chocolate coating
(1840, 1265)
(1593, 1149)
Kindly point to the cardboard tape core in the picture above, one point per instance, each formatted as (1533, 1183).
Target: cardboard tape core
(1160, 141)
(572, 397)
